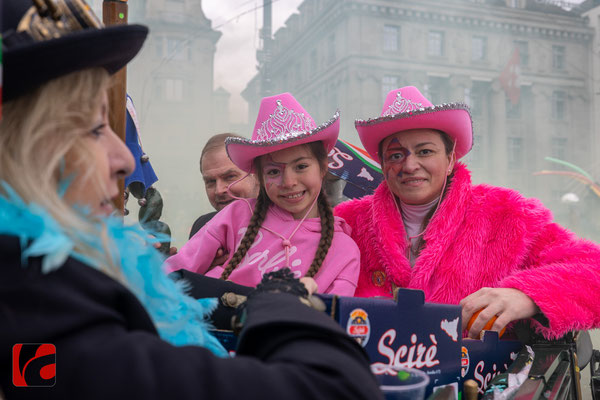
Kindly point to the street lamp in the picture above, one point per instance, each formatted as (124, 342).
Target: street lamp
(571, 200)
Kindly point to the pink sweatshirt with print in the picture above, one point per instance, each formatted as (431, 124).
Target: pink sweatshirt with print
(338, 273)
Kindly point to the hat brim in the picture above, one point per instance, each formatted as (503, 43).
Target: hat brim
(454, 119)
(28, 65)
(242, 152)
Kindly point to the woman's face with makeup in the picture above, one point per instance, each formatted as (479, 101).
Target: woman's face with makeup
(415, 165)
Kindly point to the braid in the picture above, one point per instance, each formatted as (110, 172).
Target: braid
(327, 228)
(258, 216)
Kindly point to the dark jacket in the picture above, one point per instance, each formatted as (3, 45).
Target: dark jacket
(107, 346)
(200, 222)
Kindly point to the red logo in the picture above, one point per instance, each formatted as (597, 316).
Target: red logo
(34, 364)
(358, 326)
(358, 330)
(464, 361)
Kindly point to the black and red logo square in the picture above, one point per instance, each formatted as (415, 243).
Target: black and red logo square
(34, 364)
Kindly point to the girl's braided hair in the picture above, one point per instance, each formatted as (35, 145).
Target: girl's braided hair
(258, 216)
(260, 212)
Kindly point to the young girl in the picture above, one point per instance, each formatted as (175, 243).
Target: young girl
(291, 223)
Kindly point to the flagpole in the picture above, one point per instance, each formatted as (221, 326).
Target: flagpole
(114, 12)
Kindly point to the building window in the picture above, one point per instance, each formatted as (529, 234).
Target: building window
(478, 48)
(391, 35)
(331, 49)
(558, 105)
(523, 48)
(388, 83)
(558, 57)
(434, 93)
(467, 94)
(177, 49)
(436, 43)
(513, 111)
(436, 89)
(559, 148)
(479, 94)
(174, 90)
(476, 103)
(515, 153)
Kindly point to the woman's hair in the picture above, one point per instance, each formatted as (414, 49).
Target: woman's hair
(260, 212)
(41, 137)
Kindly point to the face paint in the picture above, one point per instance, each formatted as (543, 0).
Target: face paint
(273, 172)
(395, 153)
(394, 158)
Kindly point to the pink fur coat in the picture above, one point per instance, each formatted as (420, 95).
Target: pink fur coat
(481, 236)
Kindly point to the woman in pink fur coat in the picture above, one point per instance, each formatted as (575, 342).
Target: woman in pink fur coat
(486, 248)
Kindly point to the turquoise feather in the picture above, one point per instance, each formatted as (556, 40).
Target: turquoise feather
(179, 319)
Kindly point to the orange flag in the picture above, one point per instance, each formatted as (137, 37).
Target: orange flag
(509, 78)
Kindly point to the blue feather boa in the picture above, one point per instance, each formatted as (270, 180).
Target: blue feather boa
(179, 319)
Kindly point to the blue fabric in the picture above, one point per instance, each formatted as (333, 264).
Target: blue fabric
(179, 318)
(361, 179)
(143, 172)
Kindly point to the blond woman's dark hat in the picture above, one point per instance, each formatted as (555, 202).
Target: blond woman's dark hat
(46, 39)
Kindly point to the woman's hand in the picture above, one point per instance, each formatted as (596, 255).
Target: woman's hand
(506, 303)
(158, 245)
(310, 284)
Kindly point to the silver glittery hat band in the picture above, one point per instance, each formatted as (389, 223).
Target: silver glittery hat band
(289, 137)
(413, 113)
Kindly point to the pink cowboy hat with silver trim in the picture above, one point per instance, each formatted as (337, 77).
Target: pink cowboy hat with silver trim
(406, 108)
(281, 123)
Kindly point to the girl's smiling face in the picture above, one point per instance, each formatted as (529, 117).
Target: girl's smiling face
(292, 179)
(415, 165)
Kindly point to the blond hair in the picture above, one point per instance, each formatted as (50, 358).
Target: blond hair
(39, 131)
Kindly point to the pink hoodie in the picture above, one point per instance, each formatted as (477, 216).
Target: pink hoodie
(338, 273)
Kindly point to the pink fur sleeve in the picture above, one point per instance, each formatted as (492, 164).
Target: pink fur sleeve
(562, 276)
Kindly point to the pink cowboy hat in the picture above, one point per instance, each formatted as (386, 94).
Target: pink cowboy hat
(282, 122)
(406, 108)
